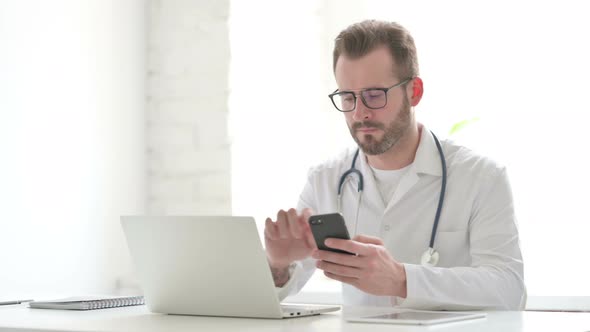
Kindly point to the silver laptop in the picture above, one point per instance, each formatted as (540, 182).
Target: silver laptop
(211, 266)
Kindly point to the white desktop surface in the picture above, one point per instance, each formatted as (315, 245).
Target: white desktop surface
(138, 318)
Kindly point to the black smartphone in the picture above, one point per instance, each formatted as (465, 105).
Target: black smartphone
(324, 226)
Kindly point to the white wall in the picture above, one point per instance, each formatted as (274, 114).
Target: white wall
(71, 142)
(188, 146)
(279, 123)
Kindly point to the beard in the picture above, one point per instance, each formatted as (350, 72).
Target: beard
(393, 132)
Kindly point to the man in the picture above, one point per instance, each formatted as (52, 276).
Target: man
(477, 263)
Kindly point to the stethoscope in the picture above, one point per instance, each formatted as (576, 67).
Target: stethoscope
(431, 256)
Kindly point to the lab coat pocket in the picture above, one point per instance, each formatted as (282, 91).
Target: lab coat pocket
(453, 247)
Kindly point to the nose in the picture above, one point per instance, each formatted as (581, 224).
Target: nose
(361, 112)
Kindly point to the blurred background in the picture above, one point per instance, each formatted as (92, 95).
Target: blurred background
(111, 108)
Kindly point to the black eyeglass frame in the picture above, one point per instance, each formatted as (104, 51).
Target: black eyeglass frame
(385, 90)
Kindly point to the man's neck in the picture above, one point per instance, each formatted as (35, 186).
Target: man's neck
(401, 154)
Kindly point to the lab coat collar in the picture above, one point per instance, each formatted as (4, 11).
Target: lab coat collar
(427, 159)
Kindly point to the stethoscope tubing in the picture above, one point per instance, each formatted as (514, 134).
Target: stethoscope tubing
(352, 170)
(443, 189)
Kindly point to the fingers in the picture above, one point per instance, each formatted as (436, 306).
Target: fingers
(348, 280)
(294, 224)
(368, 239)
(306, 213)
(338, 258)
(305, 228)
(290, 225)
(359, 248)
(271, 230)
(340, 270)
(282, 224)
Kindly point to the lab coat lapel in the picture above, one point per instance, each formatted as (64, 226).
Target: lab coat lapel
(426, 161)
(406, 183)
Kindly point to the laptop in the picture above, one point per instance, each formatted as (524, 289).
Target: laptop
(209, 266)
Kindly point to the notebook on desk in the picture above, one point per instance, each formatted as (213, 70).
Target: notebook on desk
(88, 302)
(211, 266)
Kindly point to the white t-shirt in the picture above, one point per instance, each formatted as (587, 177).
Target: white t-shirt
(387, 181)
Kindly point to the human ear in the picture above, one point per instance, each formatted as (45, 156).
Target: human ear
(417, 91)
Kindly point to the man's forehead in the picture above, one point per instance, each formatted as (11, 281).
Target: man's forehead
(381, 55)
(375, 69)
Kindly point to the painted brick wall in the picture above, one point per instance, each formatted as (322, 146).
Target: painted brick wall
(188, 152)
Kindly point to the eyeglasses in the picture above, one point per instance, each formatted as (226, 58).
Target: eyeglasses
(373, 98)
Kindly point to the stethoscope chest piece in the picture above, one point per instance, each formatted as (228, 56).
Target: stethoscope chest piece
(429, 257)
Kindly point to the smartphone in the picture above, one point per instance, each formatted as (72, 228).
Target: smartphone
(324, 226)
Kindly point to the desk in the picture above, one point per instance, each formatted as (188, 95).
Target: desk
(138, 318)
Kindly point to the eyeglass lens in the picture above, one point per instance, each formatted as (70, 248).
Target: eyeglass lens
(372, 98)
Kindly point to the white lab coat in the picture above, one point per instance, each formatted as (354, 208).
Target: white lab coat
(480, 264)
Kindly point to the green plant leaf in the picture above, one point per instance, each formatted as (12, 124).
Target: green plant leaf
(462, 124)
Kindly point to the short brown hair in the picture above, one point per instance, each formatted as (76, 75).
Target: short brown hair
(361, 38)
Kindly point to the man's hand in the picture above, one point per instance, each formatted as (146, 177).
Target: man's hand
(287, 239)
(372, 270)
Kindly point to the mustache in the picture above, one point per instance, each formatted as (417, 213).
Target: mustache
(367, 124)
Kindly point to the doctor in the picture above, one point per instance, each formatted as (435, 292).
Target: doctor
(433, 222)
